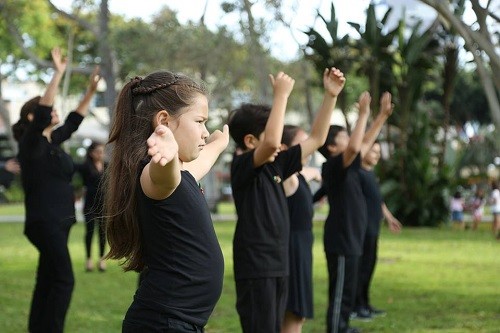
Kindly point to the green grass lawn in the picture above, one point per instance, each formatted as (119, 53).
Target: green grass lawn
(428, 280)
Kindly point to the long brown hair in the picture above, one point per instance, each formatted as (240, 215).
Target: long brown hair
(139, 101)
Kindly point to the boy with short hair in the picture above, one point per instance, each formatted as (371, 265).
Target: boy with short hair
(260, 245)
(345, 225)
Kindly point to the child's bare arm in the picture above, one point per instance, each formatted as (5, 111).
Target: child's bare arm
(162, 174)
(386, 108)
(216, 144)
(59, 67)
(333, 82)
(271, 140)
(83, 107)
(356, 139)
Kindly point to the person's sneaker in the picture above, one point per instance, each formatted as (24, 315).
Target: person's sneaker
(362, 314)
(376, 312)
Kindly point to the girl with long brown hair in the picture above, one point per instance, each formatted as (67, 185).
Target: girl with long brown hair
(157, 217)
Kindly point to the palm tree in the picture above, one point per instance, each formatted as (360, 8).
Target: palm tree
(374, 52)
(338, 53)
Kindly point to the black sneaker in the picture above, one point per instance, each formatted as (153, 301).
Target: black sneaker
(376, 312)
(362, 314)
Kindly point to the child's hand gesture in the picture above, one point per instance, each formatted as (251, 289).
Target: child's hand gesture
(282, 84)
(364, 103)
(94, 80)
(162, 146)
(386, 105)
(60, 63)
(333, 81)
(220, 137)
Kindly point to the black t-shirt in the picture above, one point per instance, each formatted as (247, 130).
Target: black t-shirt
(92, 179)
(300, 206)
(345, 226)
(260, 244)
(47, 171)
(182, 253)
(373, 199)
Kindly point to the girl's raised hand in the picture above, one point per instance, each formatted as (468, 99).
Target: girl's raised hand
(60, 63)
(94, 79)
(162, 146)
(333, 81)
(386, 105)
(282, 84)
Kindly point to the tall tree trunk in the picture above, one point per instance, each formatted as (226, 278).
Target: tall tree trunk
(109, 66)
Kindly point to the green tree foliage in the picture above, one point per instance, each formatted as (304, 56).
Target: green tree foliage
(374, 56)
(469, 103)
(401, 61)
(337, 53)
(415, 188)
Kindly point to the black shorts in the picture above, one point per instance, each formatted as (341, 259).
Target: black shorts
(261, 303)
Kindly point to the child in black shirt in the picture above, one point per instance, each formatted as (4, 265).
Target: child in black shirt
(345, 225)
(92, 172)
(260, 244)
(376, 209)
(157, 216)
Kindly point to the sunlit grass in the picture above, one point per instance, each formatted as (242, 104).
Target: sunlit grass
(428, 280)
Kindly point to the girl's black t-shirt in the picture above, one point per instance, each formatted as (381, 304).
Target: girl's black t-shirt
(300, 206)
(92, 180)
(182, 254)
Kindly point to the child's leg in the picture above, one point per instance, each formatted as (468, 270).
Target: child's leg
(261, 304)
(343, 279)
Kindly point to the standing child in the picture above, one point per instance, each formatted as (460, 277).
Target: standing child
(376, 210)
(156, 214)
(457, 205)
(495, 209)
(477, 206)
(49, 198)
(300, 208)
(260, 244)
(346, 223)
(91, 171)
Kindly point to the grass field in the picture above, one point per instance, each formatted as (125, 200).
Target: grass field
(428, 280)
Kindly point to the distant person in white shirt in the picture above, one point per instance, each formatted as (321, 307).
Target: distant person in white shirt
(457, 209)
(495, 208)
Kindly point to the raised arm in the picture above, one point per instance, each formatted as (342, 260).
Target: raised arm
(333, 83)
(370, 137)
(83, 107)
(161, 176)
(356, 139)
(269, 147)
(59, 67)
(216, 143)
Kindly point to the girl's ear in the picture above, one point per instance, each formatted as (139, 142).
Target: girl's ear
(161, 118)
(30, 116)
